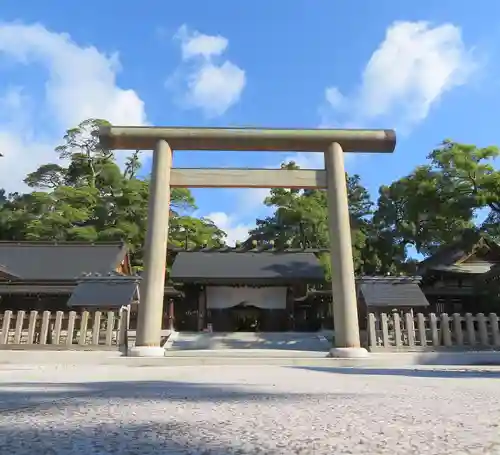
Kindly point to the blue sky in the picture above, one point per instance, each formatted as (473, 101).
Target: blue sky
(428, 69)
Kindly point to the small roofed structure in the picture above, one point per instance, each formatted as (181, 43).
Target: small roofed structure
(389, 293)
(43, 275)
(47, 261)
(453, 277)
(377, 294)
(222, 286)
(246, 267)
(105, 292)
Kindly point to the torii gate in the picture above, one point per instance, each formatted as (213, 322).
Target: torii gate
(333, 143)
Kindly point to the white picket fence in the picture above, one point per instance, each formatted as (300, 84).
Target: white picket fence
(409, 332)
(64, 330)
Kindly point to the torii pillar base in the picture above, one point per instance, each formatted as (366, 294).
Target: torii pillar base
(146, 351)
(348, 353)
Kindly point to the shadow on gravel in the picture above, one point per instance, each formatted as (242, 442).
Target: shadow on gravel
(173, 438)
(25, 395)
(434, 373)
(30, 423)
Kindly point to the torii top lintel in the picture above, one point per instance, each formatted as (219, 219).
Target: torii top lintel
(247, 139)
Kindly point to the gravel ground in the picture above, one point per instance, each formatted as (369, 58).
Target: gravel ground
(247, 410)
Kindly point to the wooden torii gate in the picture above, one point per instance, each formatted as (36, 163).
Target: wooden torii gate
(333, 143)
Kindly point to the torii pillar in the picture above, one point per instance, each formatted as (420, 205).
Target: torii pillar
(345, 307)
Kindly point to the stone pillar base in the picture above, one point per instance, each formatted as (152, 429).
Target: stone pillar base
(349, 353)
(146, 351)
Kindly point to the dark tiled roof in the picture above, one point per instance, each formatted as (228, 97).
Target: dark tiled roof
(104, 293)
(244, 268)
(59, 261)
(392, 292)
(23, 288)
(448, 255)
(245, 249)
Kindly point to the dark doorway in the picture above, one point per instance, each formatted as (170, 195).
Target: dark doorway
(246, 318)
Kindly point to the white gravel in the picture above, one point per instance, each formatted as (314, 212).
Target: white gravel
(247, 410)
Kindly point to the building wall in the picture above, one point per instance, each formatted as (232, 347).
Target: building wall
(194, 313)
(29, 302)
(266, 298)
(186, 314)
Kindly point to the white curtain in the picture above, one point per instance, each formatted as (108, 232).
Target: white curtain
(219, 297)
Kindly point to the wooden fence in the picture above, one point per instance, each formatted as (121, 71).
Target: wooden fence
(409, 332)
(64, 330)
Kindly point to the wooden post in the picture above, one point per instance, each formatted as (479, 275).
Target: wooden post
(422, 332)
(471, 330)
(71, 328)
(58, 327)
(372, 332)
(345, 307)
(457, 329)
(495, 332)
(434, 330)
(385, 330)
(7, 316)
(110, 326)
(483, 330)
(445, 330)
(19, 327)
(171, 314)
(155, 256)
(410, 328)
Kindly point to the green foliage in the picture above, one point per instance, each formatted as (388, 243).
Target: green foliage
(301, 220)
(435, 203)
(87, 197)
(430, 207)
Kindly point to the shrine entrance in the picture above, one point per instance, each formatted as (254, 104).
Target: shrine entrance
(332, 143)
(246, 318)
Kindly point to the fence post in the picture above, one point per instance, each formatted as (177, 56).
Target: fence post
(422, 333)
(372, 332)
(495, 334)
(471, 331)
(71, 327)
(44, 331)
(445, 330)
(32, 326)
(458, 334)
(84, 321)
(410, 328)
(7, 316)
(385, 330)
(19, 327)
(96, 327)
(397, 330)
(482, 329)
(58, 327)
(110, 328)
(123, 329)
(434, 330)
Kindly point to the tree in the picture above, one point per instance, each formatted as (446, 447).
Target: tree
(474, 179)
(87, 197)
(434, 204)
(301, 220)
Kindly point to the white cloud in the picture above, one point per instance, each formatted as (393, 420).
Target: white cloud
(195, 44)
(209, 85)
(405, 77)
(235, 230)
(81, 83)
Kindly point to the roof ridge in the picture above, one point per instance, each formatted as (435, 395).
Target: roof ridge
(247, 250)
(57, 243)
